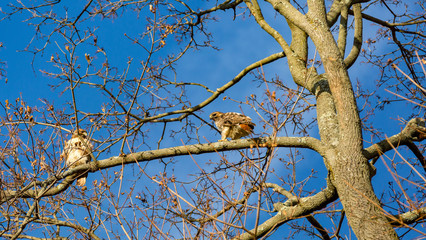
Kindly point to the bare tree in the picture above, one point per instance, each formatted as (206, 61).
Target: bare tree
(157, 171)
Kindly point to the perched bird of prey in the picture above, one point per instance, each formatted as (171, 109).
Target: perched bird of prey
(77, 152)
(233, 125)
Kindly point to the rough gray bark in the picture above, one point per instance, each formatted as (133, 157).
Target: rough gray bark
(348, 167)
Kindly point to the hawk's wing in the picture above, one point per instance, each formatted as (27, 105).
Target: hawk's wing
(233, 118)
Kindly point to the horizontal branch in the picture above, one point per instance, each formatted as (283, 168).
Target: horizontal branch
(408, 217)
(414, 131)
(77, 227)
(51, 221)
(223, 6)
(393, 26)
(146, 156)
(300, 142)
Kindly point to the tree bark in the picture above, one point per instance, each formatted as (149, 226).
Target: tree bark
(350, 170)
(348, 167)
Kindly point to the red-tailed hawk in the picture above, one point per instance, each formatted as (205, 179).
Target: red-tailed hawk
(233, 125)
(77, 152)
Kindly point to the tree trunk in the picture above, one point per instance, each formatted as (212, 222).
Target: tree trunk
(349, 168)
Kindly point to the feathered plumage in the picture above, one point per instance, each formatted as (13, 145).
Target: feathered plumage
(233, 125)
(77, 152)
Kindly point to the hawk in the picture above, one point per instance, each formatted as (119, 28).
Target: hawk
(77, 152)
(233, 125)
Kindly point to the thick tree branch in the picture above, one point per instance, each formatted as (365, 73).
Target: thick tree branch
(290, 13)
(334, 12)
(145, 156)
(318, 227)
(27, 192)
(413, 147)
(276, 188)
(77, 227)
(257, 13)
(46, 220)
(306, 206)
(299, 45)
(296, 61)
(357, 44)
(414, 131)
(410, 217)
(343, 30)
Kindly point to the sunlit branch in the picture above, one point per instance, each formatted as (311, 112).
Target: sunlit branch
(46, 220)
(413, 131)
(292, 200)
(301, 142)
(77, 227)
(26, 192)
(334, 12)
(290, 12)
(408, 217)
(307, 206)
(343, 30)
(357, 42)
(145, 156)
(219, 91)
(257, 13)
